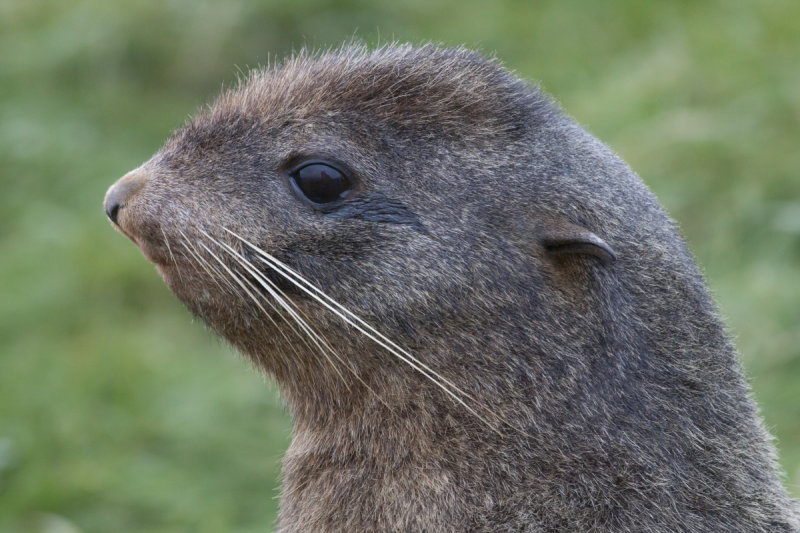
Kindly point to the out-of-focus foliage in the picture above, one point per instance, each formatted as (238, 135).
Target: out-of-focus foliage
(118, 413)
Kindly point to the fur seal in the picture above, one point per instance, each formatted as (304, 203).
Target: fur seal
(478, 315)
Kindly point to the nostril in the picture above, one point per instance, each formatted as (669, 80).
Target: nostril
(112, 211)
(121, 194)
(114, 201)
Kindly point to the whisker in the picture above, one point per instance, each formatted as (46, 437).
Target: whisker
(236, 290)
(370, 332)
(282, 297)
(169, 249)
(277, 298)
(216, 275)
(288, 323)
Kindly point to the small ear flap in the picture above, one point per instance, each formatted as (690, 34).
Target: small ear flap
(561, 238)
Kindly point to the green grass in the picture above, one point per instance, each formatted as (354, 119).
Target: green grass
(119, 413)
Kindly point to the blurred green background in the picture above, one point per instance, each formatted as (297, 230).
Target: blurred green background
(119, 413)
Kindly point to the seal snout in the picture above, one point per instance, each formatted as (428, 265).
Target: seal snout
(119, 194)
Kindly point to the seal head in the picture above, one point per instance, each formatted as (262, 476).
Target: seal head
(479, 316)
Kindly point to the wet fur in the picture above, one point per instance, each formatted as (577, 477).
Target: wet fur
(606, 396)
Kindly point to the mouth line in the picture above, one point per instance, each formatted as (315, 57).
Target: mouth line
(161, 256)
(122, 232)
(154, 254)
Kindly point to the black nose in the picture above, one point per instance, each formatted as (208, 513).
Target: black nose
(121, 193)
(113, 202)
(112, 210)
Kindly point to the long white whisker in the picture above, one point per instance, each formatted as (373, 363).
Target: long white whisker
(283, 304)
(366, 329)
(238, 281)
(169, 249)
(208, 267)
(315, 337)
(318, 294)
(284, 300)
(308, 287)
(322, 344)
(216, 275)
(278, 311)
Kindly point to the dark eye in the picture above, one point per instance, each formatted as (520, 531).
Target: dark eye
(321, 183)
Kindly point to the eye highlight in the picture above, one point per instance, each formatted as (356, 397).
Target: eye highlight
(320, 182)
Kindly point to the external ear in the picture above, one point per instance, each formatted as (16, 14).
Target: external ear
(562, 238)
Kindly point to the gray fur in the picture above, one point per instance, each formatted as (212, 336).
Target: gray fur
(610, 397)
